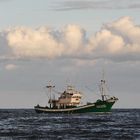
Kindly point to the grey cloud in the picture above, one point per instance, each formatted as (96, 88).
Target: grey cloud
(94, 4)
(5, 0)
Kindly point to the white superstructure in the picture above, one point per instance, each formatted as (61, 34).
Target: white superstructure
(70, 97)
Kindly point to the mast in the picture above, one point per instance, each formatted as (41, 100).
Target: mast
(102, 89)
(103, 86)
(50, 87)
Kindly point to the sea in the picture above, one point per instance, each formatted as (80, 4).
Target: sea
(26, 124)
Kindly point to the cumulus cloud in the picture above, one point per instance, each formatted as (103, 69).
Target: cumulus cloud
(118, 40)
(130, 34)
(27, 42)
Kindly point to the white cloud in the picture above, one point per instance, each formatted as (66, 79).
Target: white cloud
(10, 67)
(125, 28)
(73, 38)
(44, 42)
(118, 40)
(26, 42)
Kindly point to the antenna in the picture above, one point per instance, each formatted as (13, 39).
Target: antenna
(103, 74)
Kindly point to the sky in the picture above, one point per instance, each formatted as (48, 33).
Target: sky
(69, 42)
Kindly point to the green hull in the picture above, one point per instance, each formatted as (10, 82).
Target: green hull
(98, 106)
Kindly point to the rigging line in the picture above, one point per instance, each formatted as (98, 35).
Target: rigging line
(46, 92)
(92, 91)
(58, 92)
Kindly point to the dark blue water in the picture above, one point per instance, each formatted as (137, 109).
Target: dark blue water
(26, 124)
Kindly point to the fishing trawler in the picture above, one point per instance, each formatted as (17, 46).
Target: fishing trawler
(70, 99)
